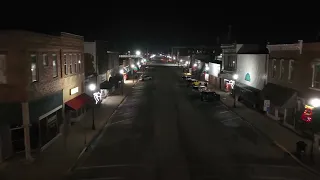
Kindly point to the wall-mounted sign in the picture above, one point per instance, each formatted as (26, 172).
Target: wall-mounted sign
(247, 77)
(74, 90)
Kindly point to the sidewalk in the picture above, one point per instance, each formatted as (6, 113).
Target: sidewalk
(281, 136)
(54, 162)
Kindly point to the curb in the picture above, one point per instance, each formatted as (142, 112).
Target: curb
(275, 142)
(99, 134)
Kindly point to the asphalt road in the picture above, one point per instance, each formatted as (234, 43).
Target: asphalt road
(162, 132)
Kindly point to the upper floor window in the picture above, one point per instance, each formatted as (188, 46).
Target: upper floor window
(45, 60)
(70, 63)
(230, 62)
(65, 64)
(291, 70)
(34, 68)
(54, 65)
(3, 78)
(274, 68)
(75, 63)
(281, 69)
(316, 76)
(79, 63)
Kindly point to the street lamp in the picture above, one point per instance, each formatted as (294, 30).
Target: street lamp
(121, 71)
(138, 53)
(92, 87)
(235, 77)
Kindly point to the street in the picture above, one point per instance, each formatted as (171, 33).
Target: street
(162, 132)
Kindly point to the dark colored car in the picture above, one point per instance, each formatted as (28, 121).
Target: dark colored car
(209, 96)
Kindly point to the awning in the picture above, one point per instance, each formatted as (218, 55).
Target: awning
(79, 101)
(106, 85)
(278, 95)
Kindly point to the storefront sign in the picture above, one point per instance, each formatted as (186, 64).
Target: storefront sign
(247, 77)
(74, 90)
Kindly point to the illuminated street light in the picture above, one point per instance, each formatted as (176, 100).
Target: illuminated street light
(235, 76)
(195, 65)
(132, 66)
(92, 87)
(315, 102)
(180, 60)
(138, 63)
(207, 68)
(138, 53)
(121, 71)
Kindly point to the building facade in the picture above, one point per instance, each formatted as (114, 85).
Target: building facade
(101, 65)
(39, 74)
(293, 79)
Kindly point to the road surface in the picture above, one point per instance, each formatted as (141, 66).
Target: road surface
(163, 132)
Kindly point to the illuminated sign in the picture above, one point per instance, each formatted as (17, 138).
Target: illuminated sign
(97, 96)
(74, 90)
(247, 77)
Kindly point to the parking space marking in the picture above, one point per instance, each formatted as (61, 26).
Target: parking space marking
(230, 119)
(224, 112)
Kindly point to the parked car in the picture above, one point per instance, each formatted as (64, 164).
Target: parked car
(209, 96)
(145, 77)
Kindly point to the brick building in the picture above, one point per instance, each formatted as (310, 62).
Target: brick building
(293, 79)
(39, 74)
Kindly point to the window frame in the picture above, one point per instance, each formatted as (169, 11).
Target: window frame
(37, 67)
(56, 65)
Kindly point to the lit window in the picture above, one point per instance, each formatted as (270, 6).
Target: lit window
(45, 60)
(70, 64)
(274, 68)
(65, 64)
(316, 76)
(54, 65)
(75, 62)
(79, 63)
(34, 69)
(3, 78)
(291, 70)
(281, 69)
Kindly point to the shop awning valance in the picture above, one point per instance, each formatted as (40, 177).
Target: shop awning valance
(79, 101)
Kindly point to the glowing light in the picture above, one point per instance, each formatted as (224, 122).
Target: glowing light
(132, 66)
(121, 71)
(138, 53)
(195, 65)
(97, 97)
(92, 87)
(207, 68)
(315, 102)
(235, 76)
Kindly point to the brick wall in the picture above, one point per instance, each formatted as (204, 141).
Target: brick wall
(19, 45)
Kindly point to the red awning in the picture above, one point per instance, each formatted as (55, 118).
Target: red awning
(79, 101)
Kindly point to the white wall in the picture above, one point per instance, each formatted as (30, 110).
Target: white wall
(255, 66)
(90, 47)
(214, 69)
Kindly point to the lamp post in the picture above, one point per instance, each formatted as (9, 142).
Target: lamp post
(235, 77)
(122, 80)
(92, 88)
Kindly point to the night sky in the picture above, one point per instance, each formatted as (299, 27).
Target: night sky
(159, 28)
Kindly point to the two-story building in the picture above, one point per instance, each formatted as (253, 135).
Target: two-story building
(293, 79)
(101, 65)
(41, 79)
(249, 63)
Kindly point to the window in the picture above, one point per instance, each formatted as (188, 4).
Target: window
(316, 76)
(65, 64)
(274, 68)
(79, 63)
(70, 64)
(281, 69)
(75, 63)
(54, 65)
(3, 78)
(34, 69)
(45, 60)
(291, 70)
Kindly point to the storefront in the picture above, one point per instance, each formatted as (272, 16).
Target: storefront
(76, 107)
(46, 118)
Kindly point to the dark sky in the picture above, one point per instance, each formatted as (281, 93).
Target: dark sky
(160, 28)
